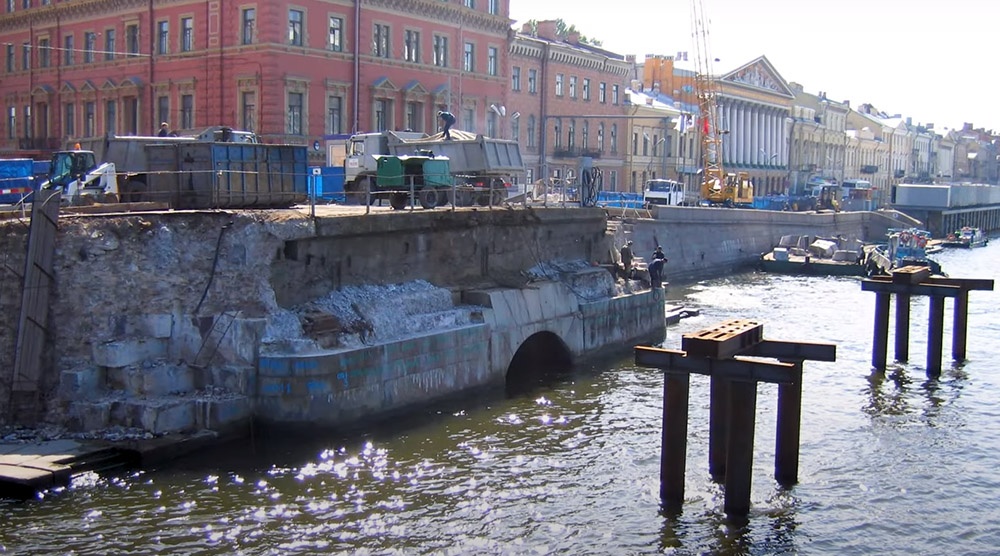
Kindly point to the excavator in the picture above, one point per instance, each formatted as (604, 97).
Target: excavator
(718, 188)
(81, 179)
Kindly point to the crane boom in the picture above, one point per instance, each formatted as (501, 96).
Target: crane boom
(717, 187)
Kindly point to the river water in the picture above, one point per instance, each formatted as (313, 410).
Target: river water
(890, 463)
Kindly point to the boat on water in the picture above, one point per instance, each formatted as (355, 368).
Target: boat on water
(967, 237)
(904, 247)
(819, 256)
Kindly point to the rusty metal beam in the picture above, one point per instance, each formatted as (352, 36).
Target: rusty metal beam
(909, 289)
(794, 351)
(723, 340)
(739, 368)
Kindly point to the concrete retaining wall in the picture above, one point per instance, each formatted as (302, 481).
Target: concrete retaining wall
(701, 242)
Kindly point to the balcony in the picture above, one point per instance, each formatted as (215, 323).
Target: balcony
(573, 152)
(869, 169)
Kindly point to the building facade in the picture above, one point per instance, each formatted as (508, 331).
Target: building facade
(292, 72)
(569, 102)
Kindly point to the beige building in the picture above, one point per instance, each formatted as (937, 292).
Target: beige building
(653, 137)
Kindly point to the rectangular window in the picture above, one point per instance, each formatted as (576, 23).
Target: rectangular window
(491, 124)
(249, 23)
(470, 4)
(411, 46)
(163, 109)
(469, 120)
(69, 47)
(163, 37)
(111, 117)
(572, 86)
(414, 122)
(335, 41)
(109, 44)
(531, 132)
(469, 57)
(334, 115)
(25, 56)
(11, 123)
(515, 129)
(515, 78)
(187, 111)
(494, 7)
(602, 93)
(532, 81)
(187, 34)
(10, 58)
(44, 53)
(559, 84)
(492, 60)
(89, 119)
(89, 45)
(614, 95)
(249, 111)
(586, 89)
(441, 51)
(380, 41)
(295, 18)
(381, 114)
(69, 117)
(295, 106)
(28, 127)
(132, 38)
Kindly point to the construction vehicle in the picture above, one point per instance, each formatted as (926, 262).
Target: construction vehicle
(663, 192)
(479, 164)
(718, 188)
(185, 172)
(81, 179)
(404, 179)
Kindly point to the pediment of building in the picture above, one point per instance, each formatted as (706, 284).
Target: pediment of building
(759, 74)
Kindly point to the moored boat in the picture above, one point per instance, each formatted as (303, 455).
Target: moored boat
(905, 247)
(966, 238)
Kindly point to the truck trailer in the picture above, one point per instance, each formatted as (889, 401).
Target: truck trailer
(480, 165)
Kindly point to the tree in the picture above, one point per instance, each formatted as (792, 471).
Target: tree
(564, 31)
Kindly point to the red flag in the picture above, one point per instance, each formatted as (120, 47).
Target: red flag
(704, 126)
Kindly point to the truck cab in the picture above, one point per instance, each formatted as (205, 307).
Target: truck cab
(663, 192)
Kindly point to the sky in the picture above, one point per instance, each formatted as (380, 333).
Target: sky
(929, 60)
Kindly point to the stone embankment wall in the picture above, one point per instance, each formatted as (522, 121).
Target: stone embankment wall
(701, 242)
(157, 320)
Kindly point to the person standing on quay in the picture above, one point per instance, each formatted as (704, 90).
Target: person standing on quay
(626, 252)
(656, 268)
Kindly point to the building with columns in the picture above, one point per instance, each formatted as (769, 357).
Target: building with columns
(818, 139)
(754, 104)
(291, 71)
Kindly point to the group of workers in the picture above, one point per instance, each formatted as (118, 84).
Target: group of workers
(655, 266)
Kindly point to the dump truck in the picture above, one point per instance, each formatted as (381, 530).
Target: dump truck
(187, 172)
(478, 163)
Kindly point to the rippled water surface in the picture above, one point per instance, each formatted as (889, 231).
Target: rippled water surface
(890, 463)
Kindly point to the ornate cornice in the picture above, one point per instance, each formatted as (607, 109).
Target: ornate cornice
(446, 12)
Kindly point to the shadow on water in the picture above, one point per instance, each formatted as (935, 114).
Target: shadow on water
(891, 392)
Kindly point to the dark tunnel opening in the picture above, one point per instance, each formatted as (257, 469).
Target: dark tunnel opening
(541, 359)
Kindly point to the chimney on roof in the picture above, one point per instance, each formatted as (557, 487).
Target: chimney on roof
(547, 30)
(573, 38)
(630, 58)
(527, 28)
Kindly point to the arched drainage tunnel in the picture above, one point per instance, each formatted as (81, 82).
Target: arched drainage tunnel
(542, 358)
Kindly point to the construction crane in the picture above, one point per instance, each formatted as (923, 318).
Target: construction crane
(718, 188)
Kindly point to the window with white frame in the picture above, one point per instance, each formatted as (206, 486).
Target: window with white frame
(380, 41)
(335, 38)
(411, 46)
(295, 26)
(469, 57)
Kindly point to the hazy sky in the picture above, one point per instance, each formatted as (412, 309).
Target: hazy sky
(934, 61)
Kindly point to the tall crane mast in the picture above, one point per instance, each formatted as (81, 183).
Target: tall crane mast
(717, 187)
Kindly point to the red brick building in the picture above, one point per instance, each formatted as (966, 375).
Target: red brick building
(285, 70)
(573, 92)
